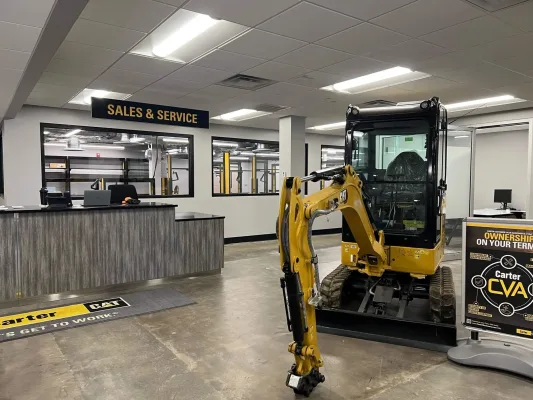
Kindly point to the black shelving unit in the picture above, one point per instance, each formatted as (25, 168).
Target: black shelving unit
(128, 171)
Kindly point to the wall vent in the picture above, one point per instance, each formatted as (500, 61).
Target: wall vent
(246, 82)
(495, 5)
(271, 108)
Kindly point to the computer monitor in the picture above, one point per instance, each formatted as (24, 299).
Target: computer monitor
(503, 196)
(120, 192)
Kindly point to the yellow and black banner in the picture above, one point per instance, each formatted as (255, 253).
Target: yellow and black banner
(151, 113)
(499, 278)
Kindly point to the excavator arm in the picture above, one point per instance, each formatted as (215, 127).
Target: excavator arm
(299, 262)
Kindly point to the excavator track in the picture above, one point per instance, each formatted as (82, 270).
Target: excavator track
(331, 286)
(442, 295)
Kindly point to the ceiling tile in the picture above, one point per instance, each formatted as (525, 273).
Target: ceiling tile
(155, 97)
(124, 77)
(81, 53)
(13, 59)
(276, 71)
(431, 85)
(362, 9)
(26, 12)
(177, 85)
(44, 100)
(316, 79)
(55, 90)
(406, 54)
(356, 66)
(522, 63)
(197, 73)
(110, 86)
(308, 22)
(18, 37)
(313, 57)
(447, 62)
(139, 15)
(503, 48)
(175, 3)
(351, 40)
(227, 61)
(220, 92)
(518, 16)
(425, 16)
(487, 76)
(464, 93)
(103, 35)
(523, 91)
(240, 11)
(263, 44)
(76, 68)
(66, 80)
(471, 33)
(146, 65)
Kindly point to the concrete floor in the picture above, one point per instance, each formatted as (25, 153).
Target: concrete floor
(231, 344)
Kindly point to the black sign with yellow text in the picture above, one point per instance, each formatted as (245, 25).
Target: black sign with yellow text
(151, 113)
(499, 278)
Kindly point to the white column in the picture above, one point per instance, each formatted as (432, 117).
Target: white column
(529, 197)
(292, 146)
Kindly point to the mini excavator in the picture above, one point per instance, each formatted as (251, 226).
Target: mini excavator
(391, 193)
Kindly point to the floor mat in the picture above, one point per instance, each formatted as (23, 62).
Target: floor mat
(80, 313)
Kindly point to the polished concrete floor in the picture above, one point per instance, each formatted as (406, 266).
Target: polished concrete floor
(231, 344)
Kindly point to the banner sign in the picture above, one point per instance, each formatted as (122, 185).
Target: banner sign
(151, 113)
(498, 278)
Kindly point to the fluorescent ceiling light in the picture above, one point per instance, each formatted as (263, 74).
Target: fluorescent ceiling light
(175, 140)
(237, 158)
(102, 146)
(46, 132)
(137, 139)
(86, 146)
(183, 35)
(84, 97)
(461, 137)
(481, 103)
(329, 127)
(95, 93)
(376, 80)
(72, 133)
(241, 115)
(225, 144)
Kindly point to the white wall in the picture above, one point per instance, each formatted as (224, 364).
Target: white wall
(501, 163)
(249, 215)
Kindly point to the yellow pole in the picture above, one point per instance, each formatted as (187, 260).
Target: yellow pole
(227, 174)
(254, 174)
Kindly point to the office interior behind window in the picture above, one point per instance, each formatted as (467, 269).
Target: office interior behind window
(76, 159)
(244, 167)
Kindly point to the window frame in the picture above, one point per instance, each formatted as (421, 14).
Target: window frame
(45, 125)
(232, 139)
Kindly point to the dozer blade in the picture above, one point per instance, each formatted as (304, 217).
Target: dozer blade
(380, 328)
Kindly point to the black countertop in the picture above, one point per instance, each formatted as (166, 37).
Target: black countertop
(4, 210)
(194, 216)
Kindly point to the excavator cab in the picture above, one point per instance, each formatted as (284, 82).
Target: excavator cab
(399, 154)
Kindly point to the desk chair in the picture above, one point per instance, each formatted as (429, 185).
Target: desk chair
(120, 192)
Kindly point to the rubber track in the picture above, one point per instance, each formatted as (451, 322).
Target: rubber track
(331, 286)
(442, 295)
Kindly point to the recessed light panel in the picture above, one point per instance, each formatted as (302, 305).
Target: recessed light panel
(187, 35)
(483, 103)
(241, 115)
(377, 80)
(84, 98)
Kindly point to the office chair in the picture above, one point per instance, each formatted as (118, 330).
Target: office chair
(120, 192)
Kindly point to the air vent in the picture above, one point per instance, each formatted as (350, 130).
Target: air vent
(495, 5)
(271, 108)
(246, 82)
(377, 103)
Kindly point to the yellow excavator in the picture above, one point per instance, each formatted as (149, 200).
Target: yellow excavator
(389, 286)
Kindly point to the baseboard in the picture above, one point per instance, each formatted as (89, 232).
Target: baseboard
(272, 236)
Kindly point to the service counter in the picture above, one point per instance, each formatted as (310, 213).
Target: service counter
(46, 251)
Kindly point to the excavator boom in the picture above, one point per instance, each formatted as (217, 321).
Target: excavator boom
(299, 262)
